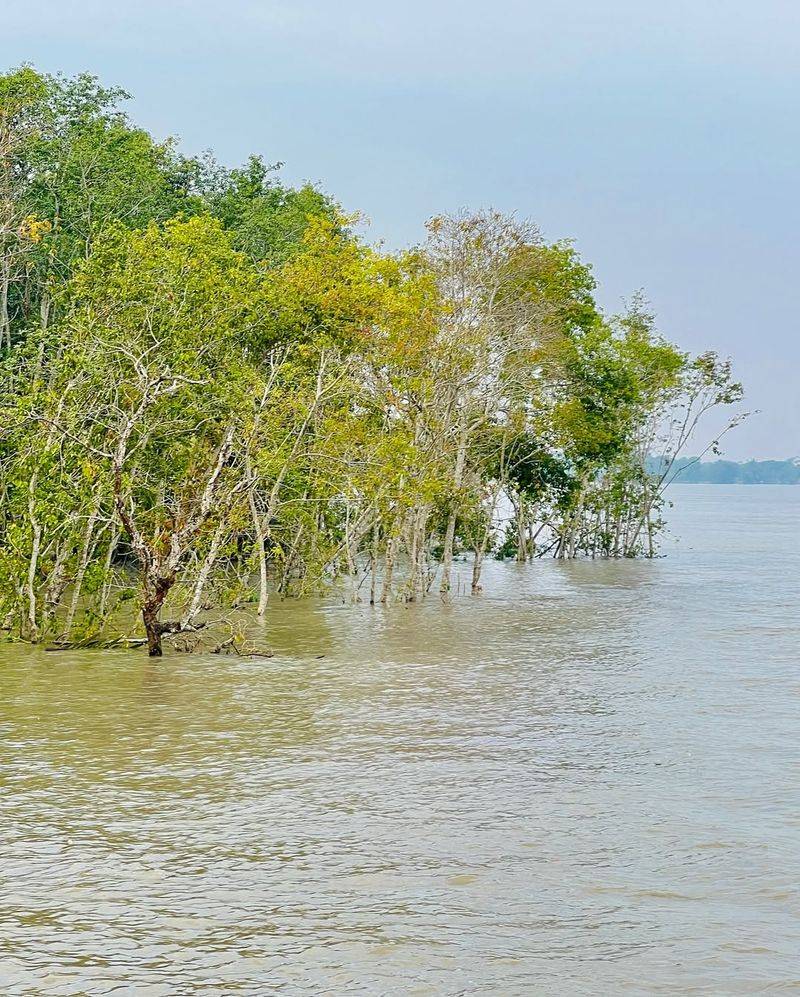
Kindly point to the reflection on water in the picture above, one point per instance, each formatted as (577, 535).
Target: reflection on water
(582, 782)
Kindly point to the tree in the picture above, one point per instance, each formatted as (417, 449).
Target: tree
(149, 379)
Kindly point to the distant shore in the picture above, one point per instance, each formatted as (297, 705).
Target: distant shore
(691, 471)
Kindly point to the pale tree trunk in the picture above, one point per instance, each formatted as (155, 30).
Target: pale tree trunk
(617, 535)
(533, 531)
(575, 527)
(595, 534)
(350, 553)
(56, 585)
(36, 531)
(450, 531)
(626, 534)
(348, 546)
(44, 310)
(447, 553)
(417, 555)
(522, 530)
(477, 566)
(83, 563)
(356, 530)
(203, 575)
(33, 563)
(5, 321)
(481, 547)
(262, 530)
(261, 554)
(261, 524)
(105, 591)
(289, 562)
(643, 519)
(388, 570)
(34, 631)
(373, 566)
(562, 539)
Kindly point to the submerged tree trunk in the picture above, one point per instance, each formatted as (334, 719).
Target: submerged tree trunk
(644, 519)
(261, 554)
(522, 530)
(450, 530)
(158, 589)
(33, 563)
(418, 559)
(152, 629)
(482, 546)
(388, 570)
(479, 554)
(477, 568)
(447, 553)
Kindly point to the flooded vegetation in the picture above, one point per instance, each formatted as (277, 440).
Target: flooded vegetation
(211, 388)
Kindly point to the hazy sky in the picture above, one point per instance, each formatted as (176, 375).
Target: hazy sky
(664, 137)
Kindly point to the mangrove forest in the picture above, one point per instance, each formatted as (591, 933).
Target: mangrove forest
(215, 391)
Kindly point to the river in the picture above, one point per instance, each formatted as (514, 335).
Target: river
(584, 781)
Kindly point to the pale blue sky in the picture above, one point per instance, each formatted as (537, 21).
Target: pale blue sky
(663, 137)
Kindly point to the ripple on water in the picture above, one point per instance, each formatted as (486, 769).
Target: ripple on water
(580, 783)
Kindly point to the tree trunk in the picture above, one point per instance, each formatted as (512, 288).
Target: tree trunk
(157, 588)
(261, 553)
(203, 575)
(44, 310)
(477, 567)
(480, 553)
(388, 570)
(450, 531)
(418, 555)
(57, 583)
(447, 553)
(106, 589)
(152, 628)
(290, 558)
(644, 518)
(373, 566)
(33, 564)
(262, 528)
(83, 564)
(5, 323)
(522, 531)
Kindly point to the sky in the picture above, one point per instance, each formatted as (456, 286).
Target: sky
(664, 138)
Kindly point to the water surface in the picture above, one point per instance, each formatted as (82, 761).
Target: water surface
(584, 781)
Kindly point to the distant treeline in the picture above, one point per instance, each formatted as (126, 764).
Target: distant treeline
(691, 471)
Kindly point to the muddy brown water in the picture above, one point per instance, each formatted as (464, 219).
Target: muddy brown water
(584, 781)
